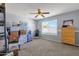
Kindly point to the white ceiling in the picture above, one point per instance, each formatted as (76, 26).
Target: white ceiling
(23, 9)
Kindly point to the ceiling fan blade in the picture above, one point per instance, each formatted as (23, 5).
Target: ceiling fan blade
(36, 16)
(42, 15)
(33, 13)
(45, 13)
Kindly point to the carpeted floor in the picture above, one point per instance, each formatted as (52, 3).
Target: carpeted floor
(41, 47)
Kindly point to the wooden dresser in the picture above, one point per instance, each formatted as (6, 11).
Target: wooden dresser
(68, 35)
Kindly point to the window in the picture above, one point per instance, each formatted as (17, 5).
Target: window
(49, 27)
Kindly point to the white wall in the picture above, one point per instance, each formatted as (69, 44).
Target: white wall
(12, 18)
(30, 23)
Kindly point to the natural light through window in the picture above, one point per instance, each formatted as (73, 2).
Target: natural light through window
(49, 27)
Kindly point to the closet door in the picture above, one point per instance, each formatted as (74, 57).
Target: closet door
(77, 38)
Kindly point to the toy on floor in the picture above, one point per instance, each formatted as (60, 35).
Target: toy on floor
(29, 36)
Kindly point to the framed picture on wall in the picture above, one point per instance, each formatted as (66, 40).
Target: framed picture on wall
(68, 23)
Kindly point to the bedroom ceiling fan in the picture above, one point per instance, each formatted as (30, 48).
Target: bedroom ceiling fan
(39, 12)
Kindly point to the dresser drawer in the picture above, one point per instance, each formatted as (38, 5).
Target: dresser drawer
(68, 35)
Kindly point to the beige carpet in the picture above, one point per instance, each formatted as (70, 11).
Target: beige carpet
(39, 47)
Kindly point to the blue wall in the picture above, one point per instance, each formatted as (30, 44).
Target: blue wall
(60, 18)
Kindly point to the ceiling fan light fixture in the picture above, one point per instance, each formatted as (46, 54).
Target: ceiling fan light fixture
(40, 13)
